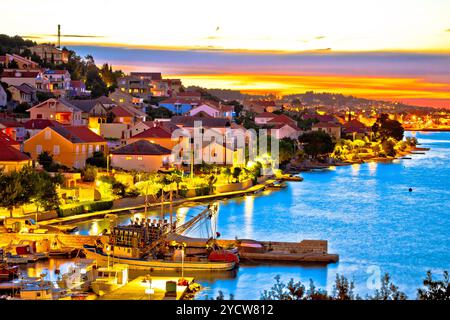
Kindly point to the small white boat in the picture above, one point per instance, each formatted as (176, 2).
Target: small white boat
(39, 289)
(79, 276)
(110, 279)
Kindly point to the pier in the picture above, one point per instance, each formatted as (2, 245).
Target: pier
(138, 289)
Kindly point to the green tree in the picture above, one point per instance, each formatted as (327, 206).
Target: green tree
(89, 173)
(98, 159)
(388, 290)
(159, 113)
(45, 159)
(286, 150)
(317, 143)
(386, 128)
(22, 108)
(45, 193)
(16, 188)
(435, 289)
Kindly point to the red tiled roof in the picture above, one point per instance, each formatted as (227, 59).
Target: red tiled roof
(283, 119)
(121, 112)
(11, 123)
(326, 125)
(142, 147)
(9, 153)
(266, 115)
(40, 124)
(5, 140)
(153, 132)
(354, 126)
(19, 74)
(78, 134)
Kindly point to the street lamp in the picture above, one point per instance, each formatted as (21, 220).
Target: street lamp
(108, 156)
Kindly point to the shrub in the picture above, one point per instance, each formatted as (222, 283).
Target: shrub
(67, 212)
(101, 205)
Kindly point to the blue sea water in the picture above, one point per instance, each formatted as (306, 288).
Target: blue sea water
(366, 213)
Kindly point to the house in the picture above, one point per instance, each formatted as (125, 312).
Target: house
(179, 106)
(135, 86)
(192, 95)
(22, 63)
(264, 118)
(174, 86)
(49, 53)
(285, 130)
(355, 129)
(69, 145)
(3, 97)
(121, 97)
(141, 155)
(34, 126)
(333, 129)
(219, 125)
(15, 130)
(153, 84)
(213, 152)
(106, 102)
(93, 112)
(260, 106)
(56, 81)
(60, 110)
(18, 77)
(78, 89)
(128, 115)
(11, 158)
(213, 109)
(145, 125)
(156, 134)
(24, 93)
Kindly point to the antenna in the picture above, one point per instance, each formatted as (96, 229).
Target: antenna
(59, 36)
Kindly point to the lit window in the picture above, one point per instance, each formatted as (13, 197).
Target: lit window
(128, 158)
(139, 158)
(56, 149)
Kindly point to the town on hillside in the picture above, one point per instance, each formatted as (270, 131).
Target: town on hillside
(62, 114)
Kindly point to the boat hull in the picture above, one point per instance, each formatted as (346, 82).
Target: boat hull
(159, 265)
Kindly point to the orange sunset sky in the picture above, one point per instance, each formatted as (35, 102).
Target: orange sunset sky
(390, 50)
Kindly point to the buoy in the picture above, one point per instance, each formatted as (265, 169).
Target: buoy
(410, 189)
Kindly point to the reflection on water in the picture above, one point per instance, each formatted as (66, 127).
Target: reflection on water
(366, 213)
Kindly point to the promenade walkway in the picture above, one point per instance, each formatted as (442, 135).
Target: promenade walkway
(91, 215)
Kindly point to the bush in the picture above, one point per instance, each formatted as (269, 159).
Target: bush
(101, 205)
(89, 173)
(67, 212)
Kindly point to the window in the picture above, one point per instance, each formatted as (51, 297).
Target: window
(128, 158)
(97, 148)
(47, 134)
(139, 158)
(38, 149)
(56, 149)
(91, 148)
(83, 149)
(39, 116)
(77, 149)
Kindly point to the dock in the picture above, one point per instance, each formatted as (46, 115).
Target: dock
(138, 289)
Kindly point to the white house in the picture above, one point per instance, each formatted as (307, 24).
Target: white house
(141, 155)
(213, 109)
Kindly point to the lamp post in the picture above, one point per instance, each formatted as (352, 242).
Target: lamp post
(108, 156)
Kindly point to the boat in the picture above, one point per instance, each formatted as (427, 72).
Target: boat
(8, 272)
(110, 279)
(290, 177)
(148, 245)
(79, 276)
(39, 289)
(277, 185)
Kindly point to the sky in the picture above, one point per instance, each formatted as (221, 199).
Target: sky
(395, 50)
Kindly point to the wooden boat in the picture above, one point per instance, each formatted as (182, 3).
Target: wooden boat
(8, 273)
(277, 185)
(145, 245)
(291, 178)
(158, 264)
